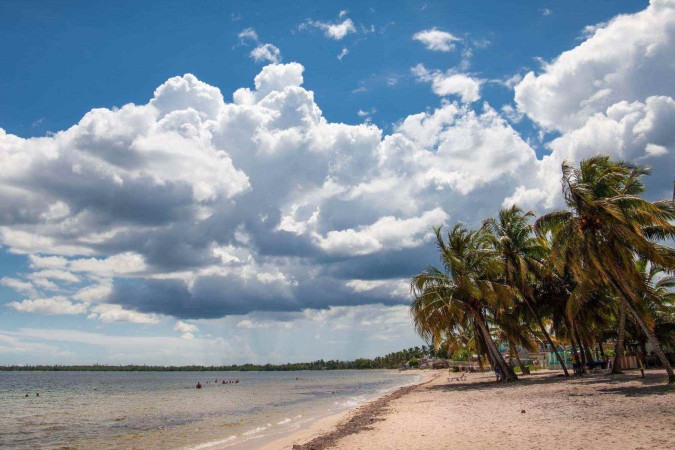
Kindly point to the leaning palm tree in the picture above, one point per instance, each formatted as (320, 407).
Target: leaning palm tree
(658, 304)
(466, 284)
(608, 223)
(521, 252)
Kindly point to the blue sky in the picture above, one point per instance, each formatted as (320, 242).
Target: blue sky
(100, 54)
(272, 205)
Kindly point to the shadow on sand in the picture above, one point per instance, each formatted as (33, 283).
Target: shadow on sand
(626, 384)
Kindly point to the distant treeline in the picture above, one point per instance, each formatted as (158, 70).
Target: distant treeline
(390, 361)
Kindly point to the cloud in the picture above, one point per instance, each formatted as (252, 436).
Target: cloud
(94, 293)
(138, 237)
(185, 327)
(263, 324)
(285, 213)
(262, 52)
(336, 31)
(247, 36)
(54, 274)
(634, 131)
(511, 113)
(272, 78)
(54, 305)
(24, 287)
(436, 40)
(449, 83)
(387, 232)
(120, 264)
(115, 313)
(625, 59)
(127, 349)
(367, 114)
(266, 53)
(343, 53)
(611, 94)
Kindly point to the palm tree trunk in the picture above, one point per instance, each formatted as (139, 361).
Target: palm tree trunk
(591, 346)
(589, 351)
(581, 349)
(547, 336)
(480, 362)
(621, 333)
(645, 329)
(481, 347)
(509, 374)
(656, 345)
(643, 350)
(514, 353)
(491, 355)
(575, 355)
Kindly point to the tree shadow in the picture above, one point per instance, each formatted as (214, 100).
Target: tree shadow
(640, 391)
(652, 384)
(489, 383)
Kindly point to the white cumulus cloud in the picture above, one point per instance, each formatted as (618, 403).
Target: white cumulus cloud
(284, 211)
(266, 53)
(449, 83)
(626, 59)
(436, 40)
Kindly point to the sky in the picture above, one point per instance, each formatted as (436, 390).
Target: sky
(228, 182)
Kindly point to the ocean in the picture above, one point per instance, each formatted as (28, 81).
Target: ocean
(164, 410)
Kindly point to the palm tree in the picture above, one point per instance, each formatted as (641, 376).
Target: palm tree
(658, 304)
(592, 314)
(620, 338)
(521, 254)
(463, 292)
(607, 224)
(514, 333)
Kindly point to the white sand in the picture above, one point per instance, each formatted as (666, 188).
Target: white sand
(596, 411)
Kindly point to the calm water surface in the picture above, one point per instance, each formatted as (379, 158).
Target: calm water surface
(160, 410)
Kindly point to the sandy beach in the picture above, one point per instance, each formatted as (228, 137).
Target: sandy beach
(539, 411)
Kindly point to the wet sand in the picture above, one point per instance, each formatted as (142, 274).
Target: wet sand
(541, 411)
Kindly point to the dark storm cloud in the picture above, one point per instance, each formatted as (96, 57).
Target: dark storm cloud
(218, 296)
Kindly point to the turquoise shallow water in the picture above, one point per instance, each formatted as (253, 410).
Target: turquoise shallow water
(163, 410)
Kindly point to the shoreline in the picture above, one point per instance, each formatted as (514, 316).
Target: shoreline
(305, 426)
(328, 430)
(618, 412)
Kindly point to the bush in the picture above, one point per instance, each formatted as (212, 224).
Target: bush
(454, 369)
(413, 362)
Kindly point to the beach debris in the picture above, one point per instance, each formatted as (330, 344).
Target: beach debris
(199, 385)
(522, 411)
